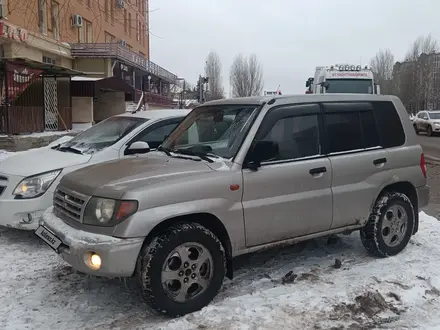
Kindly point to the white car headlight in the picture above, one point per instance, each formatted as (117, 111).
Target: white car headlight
(36, 185)
(436, 124)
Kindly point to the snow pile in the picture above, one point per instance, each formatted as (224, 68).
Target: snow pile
(298, 288)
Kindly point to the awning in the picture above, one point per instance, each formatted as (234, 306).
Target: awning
(49, 69)
(87, 86)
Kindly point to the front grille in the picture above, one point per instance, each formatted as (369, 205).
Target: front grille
(3, 178)
(2, 189)
(68, 204)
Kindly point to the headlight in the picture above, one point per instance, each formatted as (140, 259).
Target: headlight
(437, 124)
(108, 212)
(36, 185)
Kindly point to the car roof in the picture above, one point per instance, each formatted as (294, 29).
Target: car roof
(158, 114)
(299, 98)
(433, 111)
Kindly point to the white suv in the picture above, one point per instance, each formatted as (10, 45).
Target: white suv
(427, 121)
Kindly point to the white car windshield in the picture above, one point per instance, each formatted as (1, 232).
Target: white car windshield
(102, 135)
(434, 115)
(216, 130)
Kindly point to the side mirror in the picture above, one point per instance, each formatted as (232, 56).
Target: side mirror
(325, 84)
(138, 147)
(307, 83)
(262, 151)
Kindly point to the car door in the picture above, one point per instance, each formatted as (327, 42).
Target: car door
(290, 195)
(357, 159)
(154, 134)
(420, 121)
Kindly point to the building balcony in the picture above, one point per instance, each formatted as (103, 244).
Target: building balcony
(116, 51)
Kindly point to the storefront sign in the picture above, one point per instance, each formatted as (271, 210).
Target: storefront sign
(13, 32)
(19, 78)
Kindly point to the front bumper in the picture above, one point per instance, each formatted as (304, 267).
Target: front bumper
(21, 213)
(118, 255)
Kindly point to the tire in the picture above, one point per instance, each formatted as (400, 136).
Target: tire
(429, 130)
(416, 130)
(374, 236)
(160, 252)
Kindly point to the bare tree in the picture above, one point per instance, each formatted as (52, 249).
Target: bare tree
(246, 76)
(213, 69)
(382, 66)
(418, 79)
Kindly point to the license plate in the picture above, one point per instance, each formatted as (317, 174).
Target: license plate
(49, 238)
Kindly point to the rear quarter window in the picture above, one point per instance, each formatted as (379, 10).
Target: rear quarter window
(389, 124)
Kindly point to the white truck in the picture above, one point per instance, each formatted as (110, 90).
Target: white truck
(342, 78)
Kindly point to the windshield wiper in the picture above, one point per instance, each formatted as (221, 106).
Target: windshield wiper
(165, 150)
(71, 149)
(190, 152)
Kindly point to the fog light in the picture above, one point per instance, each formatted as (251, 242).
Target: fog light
(93, 260)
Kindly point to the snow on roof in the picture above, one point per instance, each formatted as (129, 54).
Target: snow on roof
(158, 114)
(79, 78)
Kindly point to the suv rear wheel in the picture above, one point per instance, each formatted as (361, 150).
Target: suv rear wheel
(182, 269)
(390, 225)
(429, 130)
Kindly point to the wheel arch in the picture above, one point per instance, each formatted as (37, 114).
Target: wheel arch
(409, 190)
(207, 220)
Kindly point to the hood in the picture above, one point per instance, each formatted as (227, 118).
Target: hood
(39, 160)
(112, 179)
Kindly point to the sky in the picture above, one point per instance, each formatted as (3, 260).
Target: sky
(289, 37)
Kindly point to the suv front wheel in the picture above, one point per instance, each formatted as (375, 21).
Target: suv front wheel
(182, 269)
(390, 225)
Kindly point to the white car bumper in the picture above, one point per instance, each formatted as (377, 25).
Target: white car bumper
(21, 213)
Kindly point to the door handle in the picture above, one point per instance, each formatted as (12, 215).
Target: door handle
(379, 161)
(318, 170)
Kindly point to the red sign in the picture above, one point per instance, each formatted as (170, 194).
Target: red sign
(11, 32)
(19, 78)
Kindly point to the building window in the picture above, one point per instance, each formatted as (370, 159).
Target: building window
(106, 9)
(85, 33)
(125, 21)
(42, 16)
(49, 60)
(89, 32)
(137, 28)
(112, 11)
(55, 13)
(129, 24)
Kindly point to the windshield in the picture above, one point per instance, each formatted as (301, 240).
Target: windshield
(356, 86)
(104, 134)
(217, 130)
(434, 115)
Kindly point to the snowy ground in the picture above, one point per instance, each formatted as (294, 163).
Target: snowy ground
(39, 291)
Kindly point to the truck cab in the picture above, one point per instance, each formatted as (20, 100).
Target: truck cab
(344, 78)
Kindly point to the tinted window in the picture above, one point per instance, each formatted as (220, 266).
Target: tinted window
(356, 86)
(420, 115)
(155, 137)
(434, 115)
(297, 137)
(389, 125)
(370, 134)
(343, 131)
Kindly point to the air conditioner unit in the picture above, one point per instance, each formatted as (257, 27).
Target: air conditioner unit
(120, 3)
(123, 43)
(77, 21)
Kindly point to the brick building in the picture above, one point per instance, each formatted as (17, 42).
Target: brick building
(56, 40)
